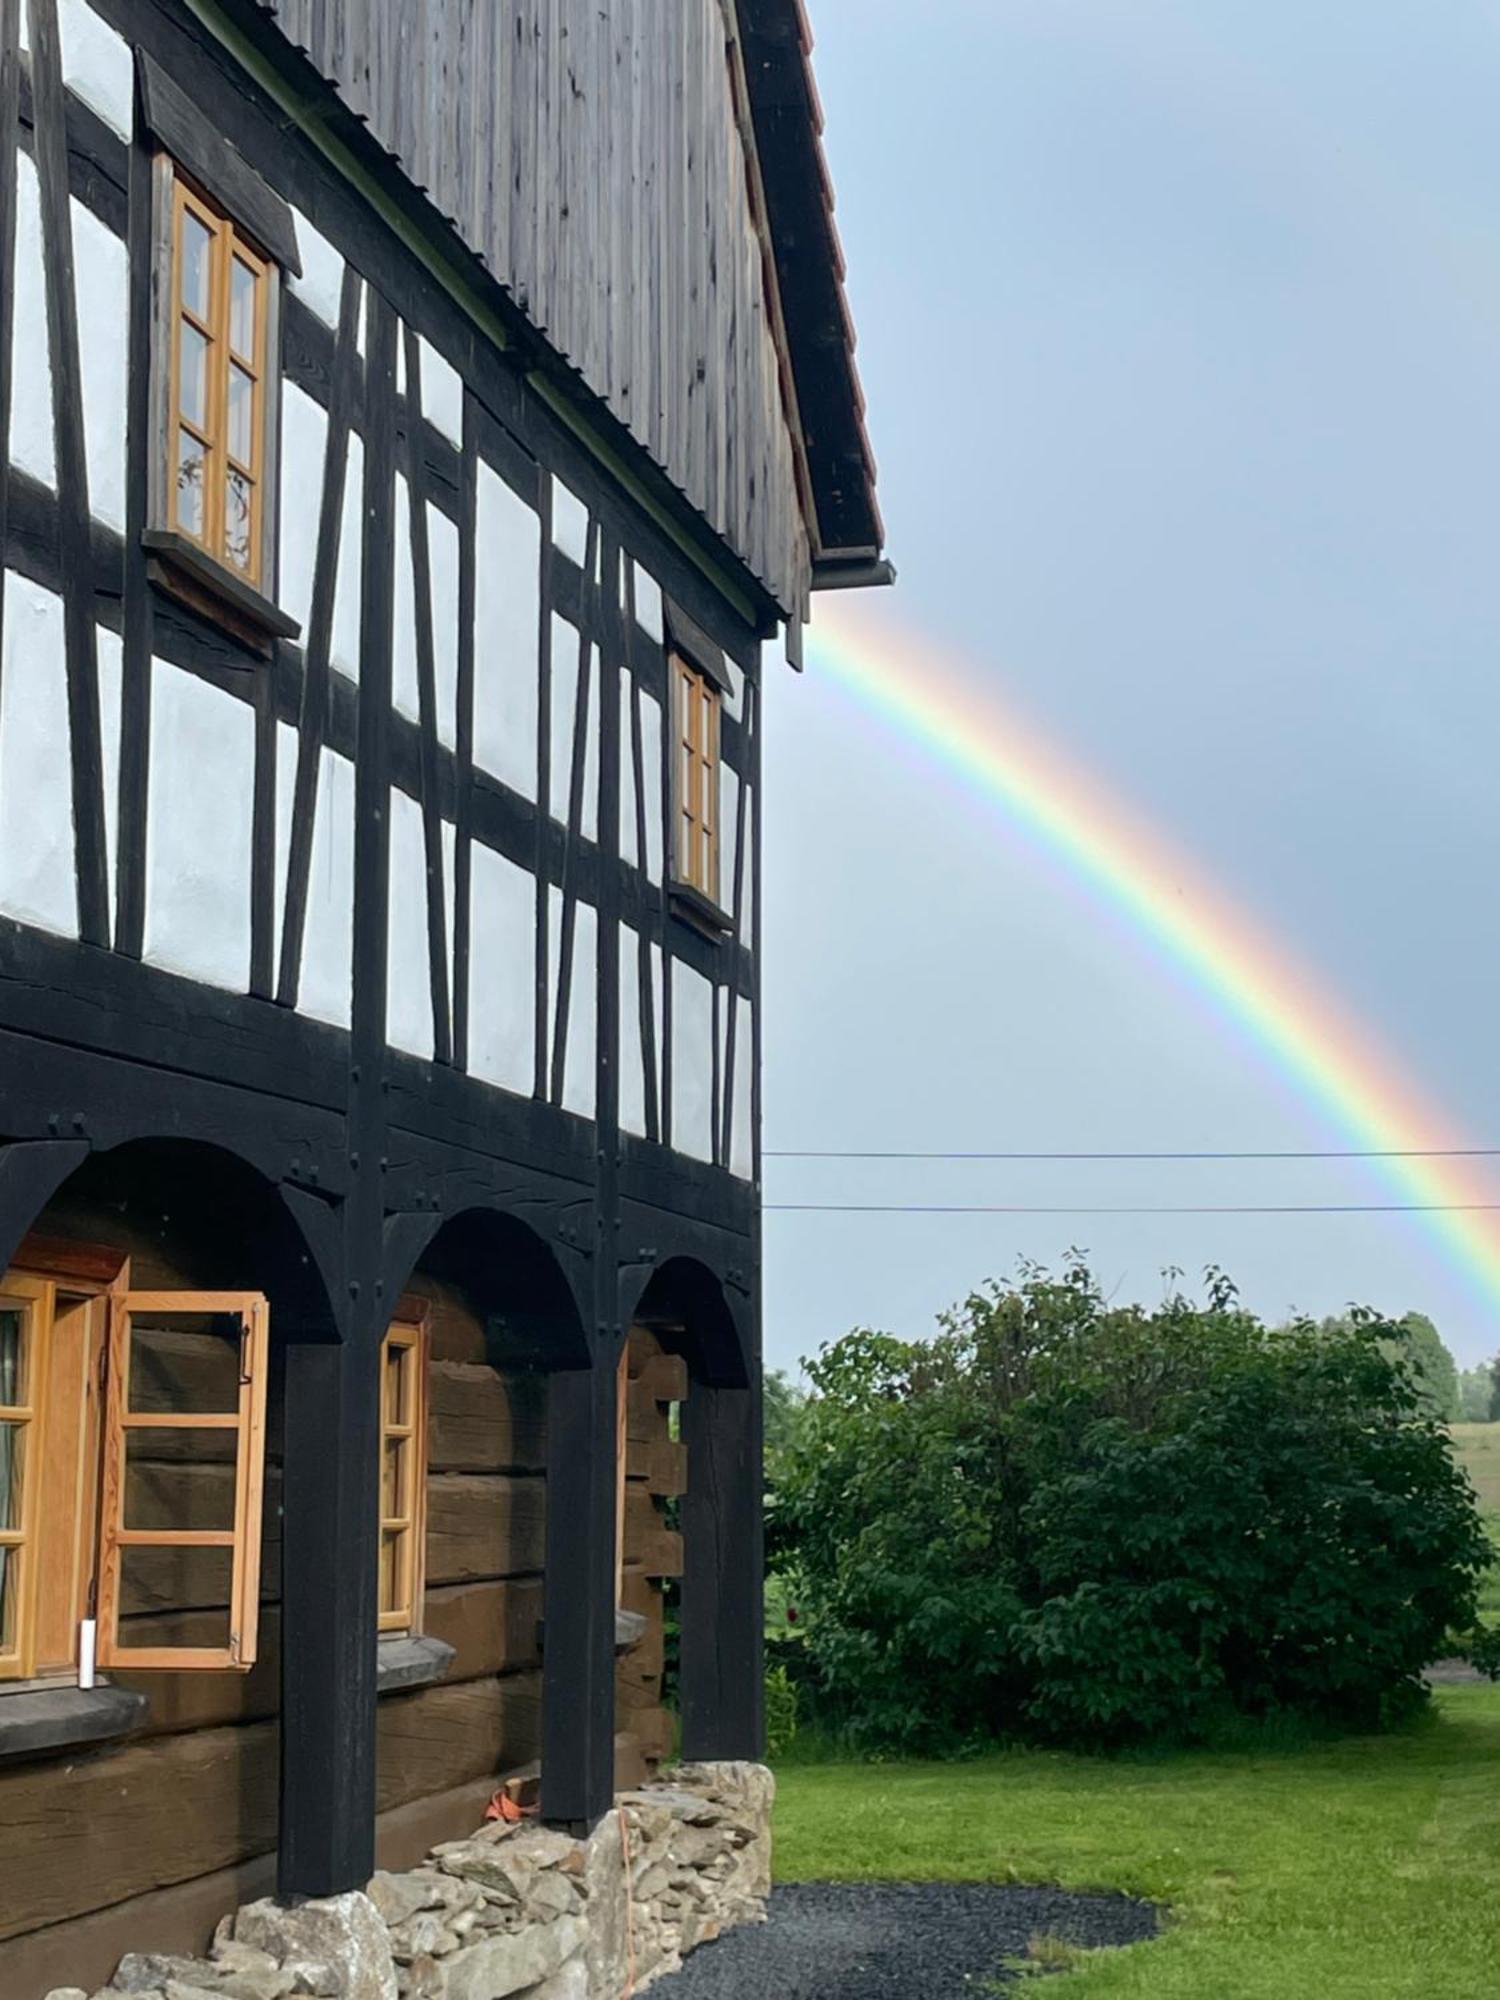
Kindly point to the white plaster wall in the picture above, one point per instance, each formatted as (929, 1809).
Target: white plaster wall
(322, 281)
(101, 285)
(325, 985)
(652, 777)
(442, 561)
(31, 443)
(96, 64)
(343, 646)
(692, 1062)
(629, 849)
(506, 626)
(729, 806)
(570, 522)
(38, 883)
(742, 1134)
(442, 393)
(286, 798)
(408, 979)
(567, 656)
(502, 970)
(110, 654)
(632, 1064)
(304, 444)
(443, 571)
(648, 604)
(583, 1005)
(734, 700)
(747, 912)
(198, 819)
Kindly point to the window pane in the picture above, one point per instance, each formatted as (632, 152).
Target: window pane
(197, 264)
(242, 309)
(12, 1473)
(391, 1564)
(192, 470)
(241, 413)
(177, 1495)
(176, 1580)
(184, 1364)
(397, 1381)
(393, 1481)
(237, 520)
(12, 1356)
(10, 1598)
(192, 376)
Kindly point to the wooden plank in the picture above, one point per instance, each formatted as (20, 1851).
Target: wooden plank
(492, 1626)
(482, 1421)
(444, 1736)
(660, 1464)
(484, 1525)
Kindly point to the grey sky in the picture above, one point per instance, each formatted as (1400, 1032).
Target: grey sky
(1180, 330)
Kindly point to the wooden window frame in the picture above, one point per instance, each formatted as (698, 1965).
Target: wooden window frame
(697, 727)
(408, 1333)
(35, 1295)
(196, 567)
(243, 1539)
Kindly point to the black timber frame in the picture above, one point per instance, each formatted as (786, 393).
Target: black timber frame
(369, 1150)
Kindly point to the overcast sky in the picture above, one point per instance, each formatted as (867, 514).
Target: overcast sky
(1180, 332)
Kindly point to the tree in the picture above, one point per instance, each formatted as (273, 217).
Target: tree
(1434, 1367)
(1098, 1524)
(1476, 1392)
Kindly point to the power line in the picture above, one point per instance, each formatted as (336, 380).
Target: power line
(1265, 1208)
(1373, 1153)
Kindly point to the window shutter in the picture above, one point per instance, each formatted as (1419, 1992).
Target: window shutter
(182, 1476)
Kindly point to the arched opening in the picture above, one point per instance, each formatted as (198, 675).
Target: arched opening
(690, 1521)
(480, 1324)
(146, 1318)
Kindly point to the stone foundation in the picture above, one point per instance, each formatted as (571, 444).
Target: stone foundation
(518, 1910)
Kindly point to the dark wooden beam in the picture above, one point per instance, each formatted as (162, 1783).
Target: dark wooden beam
(722, 1694)
(578, 1660)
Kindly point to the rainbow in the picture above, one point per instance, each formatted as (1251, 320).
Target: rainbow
(954, 719)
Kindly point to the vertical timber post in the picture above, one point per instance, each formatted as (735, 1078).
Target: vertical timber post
(332, 1478)
(578, 1658)
(722, 1686)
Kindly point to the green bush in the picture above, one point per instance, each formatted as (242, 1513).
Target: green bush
(781, 1712)
(1100, 1525)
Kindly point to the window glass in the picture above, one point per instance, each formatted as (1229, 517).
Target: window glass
(218, 398)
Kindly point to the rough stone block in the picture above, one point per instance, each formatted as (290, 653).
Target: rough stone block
(337, 1946)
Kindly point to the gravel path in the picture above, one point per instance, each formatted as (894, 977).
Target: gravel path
(870, 1940)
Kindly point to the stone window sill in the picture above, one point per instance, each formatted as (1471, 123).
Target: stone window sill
(404, 1661)
(36, 1721)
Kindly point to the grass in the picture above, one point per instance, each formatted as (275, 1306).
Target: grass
(1477, 1447)
(1367, 1869)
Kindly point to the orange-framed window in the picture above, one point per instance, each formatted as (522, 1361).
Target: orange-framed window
(25, 1322)
(215, 1346)
(218, 405)
(697, 706)
(132, 1436)
(403, 1475)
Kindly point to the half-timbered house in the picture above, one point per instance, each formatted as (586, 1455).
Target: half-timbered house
(418, 416)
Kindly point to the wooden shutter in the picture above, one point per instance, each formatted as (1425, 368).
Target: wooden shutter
(184, 1439)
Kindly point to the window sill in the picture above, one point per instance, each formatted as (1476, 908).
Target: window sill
(189, 574)
(43, 1719)
(403, 1661)
(699, 912)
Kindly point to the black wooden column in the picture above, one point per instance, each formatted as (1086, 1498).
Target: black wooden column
(578, 1653)
(722, 1691)
(328, 1620)
(331, 1490)
(578, 1656)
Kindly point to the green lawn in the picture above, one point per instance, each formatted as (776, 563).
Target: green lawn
(1362, 1870)
(1478, 1450)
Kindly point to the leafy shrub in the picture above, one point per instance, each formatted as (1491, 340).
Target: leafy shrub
(1101, 1525)
(781, 1712)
